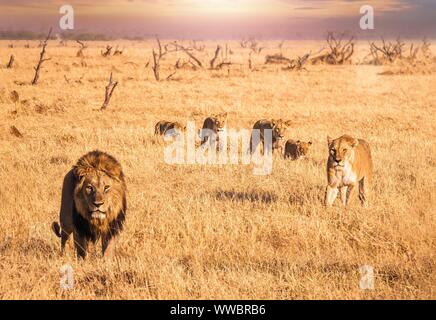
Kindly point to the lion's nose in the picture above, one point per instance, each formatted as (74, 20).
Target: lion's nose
(98, 203)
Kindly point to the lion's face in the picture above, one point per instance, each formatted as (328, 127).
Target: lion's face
(303, 148)
(220, 121)
(100, 189)
(341, 150)
(279, 128)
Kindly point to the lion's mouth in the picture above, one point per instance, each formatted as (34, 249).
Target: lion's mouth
(97, 214)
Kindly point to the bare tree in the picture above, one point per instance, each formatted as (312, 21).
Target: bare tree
(340, 51)
(108, 51)
(215, 57)
(10, 64)
(108, 93)
(41, 59)
(157, 57)
(79, 53)
(389, 51)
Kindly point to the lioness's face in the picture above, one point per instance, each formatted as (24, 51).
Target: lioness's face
(341, 150)
(303, 148)
(97, 195)
(220, 120)
(279, 128)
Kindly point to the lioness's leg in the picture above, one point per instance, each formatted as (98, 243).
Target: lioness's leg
(343, 191)
(349, 193)
(363, 192)
(330, 195)
(108, 244)
(81, 245)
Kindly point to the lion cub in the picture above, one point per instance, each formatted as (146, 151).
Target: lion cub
(278, 128)
(297, 149)
(212, 126)
(163, 128)
(349, 163)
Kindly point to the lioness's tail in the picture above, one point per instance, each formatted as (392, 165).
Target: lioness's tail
(57, 229)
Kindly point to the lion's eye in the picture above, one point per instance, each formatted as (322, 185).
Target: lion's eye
(107, 188)
(89, 189)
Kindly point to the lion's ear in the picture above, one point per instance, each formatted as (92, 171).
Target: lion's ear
(310, 143)
(355, 143)
(298, 141)
(329, 140)
(79, 172)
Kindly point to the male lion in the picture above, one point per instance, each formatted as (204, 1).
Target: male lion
(163, 128)
(297, 149)
(212, 126)
(93, 204)
(278, 130)
(349, 163)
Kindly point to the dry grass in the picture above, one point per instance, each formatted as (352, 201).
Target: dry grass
(200, 232)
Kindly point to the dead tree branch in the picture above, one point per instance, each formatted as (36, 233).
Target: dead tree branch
(108, 51)
(158, 56)
(108, 93)
(189, 54)
(10, 64)
(41, 59)
(79, 53)
(215, 57)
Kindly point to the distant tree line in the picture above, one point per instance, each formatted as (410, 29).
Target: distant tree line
(30, 35)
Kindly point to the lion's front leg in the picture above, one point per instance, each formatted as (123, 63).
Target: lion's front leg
(81, 244)
(330, 195)
(363, 192)
(349, 193)
(343, 191)
(108, 244)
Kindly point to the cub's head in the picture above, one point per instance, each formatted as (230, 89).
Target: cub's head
(341, 150)
(303, 148)
(279, 128)
(220, 120)
(179, 127)
(99, 193)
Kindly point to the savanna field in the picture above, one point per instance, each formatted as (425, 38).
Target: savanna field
(218, 232)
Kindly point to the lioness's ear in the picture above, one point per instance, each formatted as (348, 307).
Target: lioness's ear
(355, 143)
(298, 141)
(288, 123)
(310, 143)
(329, 140)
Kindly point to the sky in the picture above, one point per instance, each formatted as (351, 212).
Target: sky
(213, 19)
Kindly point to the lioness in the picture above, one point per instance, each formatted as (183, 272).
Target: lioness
(163, 128)
(93, 204)
(212, 126)
(349, 163)
(297, 149)
(278, 129)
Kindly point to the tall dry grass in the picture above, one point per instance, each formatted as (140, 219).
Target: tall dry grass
(202, 232)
